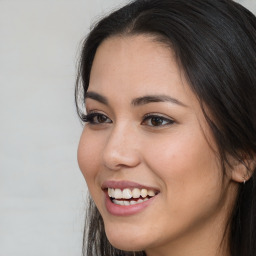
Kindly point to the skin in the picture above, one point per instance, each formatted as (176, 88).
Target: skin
(189, 215)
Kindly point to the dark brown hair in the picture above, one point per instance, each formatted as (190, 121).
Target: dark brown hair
(215, 44)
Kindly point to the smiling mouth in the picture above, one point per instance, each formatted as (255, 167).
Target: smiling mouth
(129, 196)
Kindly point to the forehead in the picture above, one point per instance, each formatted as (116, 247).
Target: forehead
(137, 65)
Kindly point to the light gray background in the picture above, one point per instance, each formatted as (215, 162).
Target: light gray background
(42, 192)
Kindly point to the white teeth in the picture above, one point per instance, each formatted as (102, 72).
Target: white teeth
(136, 193)
(126, 203)
(118, 194)
(111, 192)
(119, 202)
(151, 193)
(128, 193)
(143, 192)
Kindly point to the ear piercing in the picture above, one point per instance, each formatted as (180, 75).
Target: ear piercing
(245, 179)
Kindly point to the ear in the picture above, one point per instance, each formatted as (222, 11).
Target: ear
(243, 171)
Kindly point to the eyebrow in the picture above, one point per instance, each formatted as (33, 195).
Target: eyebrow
(97, 97)
(156, 98)
(137, 101)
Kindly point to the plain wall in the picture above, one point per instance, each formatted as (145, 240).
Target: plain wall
(42, 192)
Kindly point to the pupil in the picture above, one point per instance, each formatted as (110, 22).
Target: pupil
(102, 119)
(156, 121)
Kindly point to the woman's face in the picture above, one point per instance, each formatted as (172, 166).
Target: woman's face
(146, 151)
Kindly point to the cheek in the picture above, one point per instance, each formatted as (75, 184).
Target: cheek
(89, 151)
(188, 169)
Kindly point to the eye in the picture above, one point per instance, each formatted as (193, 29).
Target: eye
(96, 118)
(156, 120)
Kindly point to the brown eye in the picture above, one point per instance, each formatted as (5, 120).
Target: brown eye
(154, 121)
(101, 119)
(96, 118)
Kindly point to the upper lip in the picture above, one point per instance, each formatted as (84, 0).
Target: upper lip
(122, 184)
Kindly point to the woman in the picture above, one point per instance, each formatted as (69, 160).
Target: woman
(168, 147)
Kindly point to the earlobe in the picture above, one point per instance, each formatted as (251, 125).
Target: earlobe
(242, 172)
(240, 176)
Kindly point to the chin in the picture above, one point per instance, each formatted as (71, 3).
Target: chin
(125, 245)
(126, 241)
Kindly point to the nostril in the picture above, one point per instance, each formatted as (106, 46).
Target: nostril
(116, 160)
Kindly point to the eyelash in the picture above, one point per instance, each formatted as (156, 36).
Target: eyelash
(90, 118)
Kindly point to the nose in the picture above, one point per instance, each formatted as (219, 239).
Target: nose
(121, 149)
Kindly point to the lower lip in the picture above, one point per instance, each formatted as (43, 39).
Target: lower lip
(126, 210)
